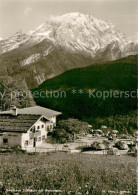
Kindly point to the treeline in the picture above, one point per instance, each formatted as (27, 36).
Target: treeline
(12, 93)
(119, 75)
(118, 114)
(125, 124)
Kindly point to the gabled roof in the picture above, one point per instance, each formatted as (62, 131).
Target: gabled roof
(18, 123)
(36, 110)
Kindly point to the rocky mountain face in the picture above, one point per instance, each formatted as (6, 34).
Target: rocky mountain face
(75, 32)
(59, 44)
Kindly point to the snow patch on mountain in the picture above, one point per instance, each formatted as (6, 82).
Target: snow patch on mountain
(48, 51)
(31, 59)
(13, 42)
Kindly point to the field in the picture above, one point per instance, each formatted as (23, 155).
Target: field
(84, 173)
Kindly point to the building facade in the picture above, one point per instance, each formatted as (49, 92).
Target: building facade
(27, 127)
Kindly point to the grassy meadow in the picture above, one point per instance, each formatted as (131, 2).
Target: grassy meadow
(77, 173)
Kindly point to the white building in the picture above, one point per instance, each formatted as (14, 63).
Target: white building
(27, 127)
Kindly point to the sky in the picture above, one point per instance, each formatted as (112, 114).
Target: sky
(26, 15)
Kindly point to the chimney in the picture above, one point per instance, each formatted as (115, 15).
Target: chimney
(14, 110)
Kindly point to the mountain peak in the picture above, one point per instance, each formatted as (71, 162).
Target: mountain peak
(70, 17)
(73, 15)
(76, 32)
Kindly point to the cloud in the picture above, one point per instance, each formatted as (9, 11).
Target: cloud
(1, 38)
(27, 11)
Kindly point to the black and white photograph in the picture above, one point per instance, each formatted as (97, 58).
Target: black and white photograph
(68, 97)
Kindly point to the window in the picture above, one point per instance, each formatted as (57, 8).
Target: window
(26, 142)
(43, 138)
(38, 127)
(33, 129)
(39, 139)
(47, 128)
(42, 126)
(51, 126)
(5, 140)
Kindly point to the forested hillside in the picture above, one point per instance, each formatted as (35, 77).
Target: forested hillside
(119, 75)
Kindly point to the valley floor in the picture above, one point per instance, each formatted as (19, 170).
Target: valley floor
(74, 147)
